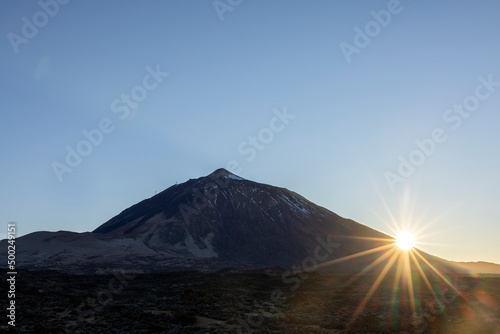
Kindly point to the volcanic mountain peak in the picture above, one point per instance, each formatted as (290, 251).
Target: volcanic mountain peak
(222, 172)
(209, 223)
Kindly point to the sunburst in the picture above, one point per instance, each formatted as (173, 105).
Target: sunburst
(400, 256)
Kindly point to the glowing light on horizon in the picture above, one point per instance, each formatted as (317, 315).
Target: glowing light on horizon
(411, 272)
(405, 241)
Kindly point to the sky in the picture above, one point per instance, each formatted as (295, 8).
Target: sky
(384, 112)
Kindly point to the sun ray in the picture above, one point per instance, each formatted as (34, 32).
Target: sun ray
(413, 205)
(372, 265)
(422, 274)
(397, 278)
(440, 275)
(353, 256)
(364, 238)
(374, 286)
(409, 280)
(393, 229)
(396, 283)
(382, 199)
(468, 303)
(432, 221)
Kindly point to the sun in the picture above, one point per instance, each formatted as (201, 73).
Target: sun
(405, 241)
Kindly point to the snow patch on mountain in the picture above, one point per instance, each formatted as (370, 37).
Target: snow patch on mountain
(297, 204)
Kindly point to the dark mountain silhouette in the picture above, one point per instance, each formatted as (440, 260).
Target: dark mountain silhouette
(210, 223)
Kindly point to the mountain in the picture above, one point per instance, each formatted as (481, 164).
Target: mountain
(480, 267)
(210, 223)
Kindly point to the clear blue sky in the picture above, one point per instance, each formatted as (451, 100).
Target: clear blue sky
(230, 70)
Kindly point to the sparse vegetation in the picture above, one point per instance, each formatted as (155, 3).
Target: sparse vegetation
(193, 302)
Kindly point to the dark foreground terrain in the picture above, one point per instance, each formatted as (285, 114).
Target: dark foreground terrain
(228, 302)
